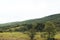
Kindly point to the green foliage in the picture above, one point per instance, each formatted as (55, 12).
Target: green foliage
(50, 28)
(31, 30)
(40, 27)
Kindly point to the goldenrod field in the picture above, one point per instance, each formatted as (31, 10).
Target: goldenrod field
(20, 36)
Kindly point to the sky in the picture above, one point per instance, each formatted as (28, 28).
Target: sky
(20, 10)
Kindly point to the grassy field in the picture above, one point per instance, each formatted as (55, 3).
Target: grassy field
(19, 36)
(57, 36)
(13, 36)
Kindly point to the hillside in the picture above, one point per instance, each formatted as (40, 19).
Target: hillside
(55, 18)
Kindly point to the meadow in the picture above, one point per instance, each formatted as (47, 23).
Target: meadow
(21, 36)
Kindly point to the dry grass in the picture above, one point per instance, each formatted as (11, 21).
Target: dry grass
(20, 36)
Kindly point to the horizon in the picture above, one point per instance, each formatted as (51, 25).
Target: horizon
(21, 10)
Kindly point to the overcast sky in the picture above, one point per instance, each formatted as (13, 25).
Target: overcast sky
(20, 10)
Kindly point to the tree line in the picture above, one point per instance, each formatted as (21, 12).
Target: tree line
(48, 28)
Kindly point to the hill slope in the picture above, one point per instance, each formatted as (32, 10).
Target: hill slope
(55, 18)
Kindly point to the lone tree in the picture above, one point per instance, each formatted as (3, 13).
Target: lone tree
(50, 29)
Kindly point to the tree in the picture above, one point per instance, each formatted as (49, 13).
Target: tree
(31, 31)
(50, 29)
(39, 27)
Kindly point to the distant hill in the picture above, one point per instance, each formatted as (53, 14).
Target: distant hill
(55, 18)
